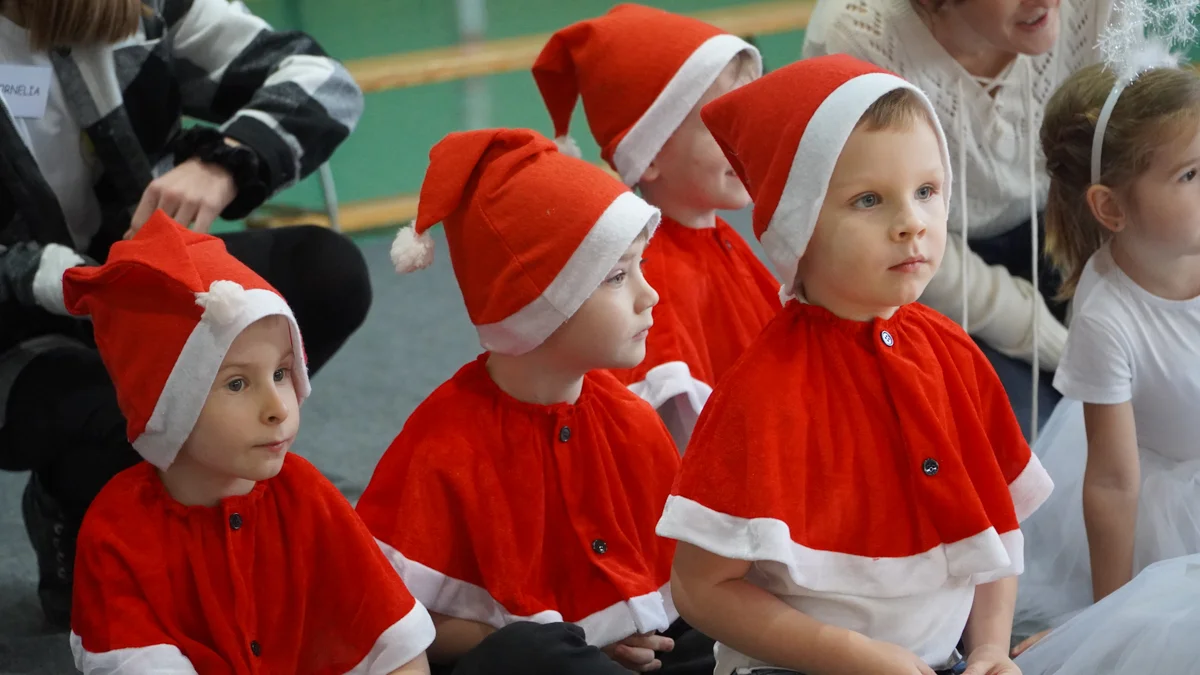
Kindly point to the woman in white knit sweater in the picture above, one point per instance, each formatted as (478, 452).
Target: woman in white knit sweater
(989, 67)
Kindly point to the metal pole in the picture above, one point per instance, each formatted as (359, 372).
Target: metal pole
(295, 17)
(472, 26)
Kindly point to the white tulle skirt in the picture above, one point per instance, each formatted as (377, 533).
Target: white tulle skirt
(1150, 626)
(1057, 583)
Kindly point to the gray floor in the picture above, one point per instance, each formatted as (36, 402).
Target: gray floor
(416, 336)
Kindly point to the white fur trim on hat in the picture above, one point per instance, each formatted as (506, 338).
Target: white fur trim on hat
(647, 136)
(568, 146)
(595, 257)
(792, 223)
(411, 251)
(195, 370)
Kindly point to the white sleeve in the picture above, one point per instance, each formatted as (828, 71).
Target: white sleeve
(999, 306)
(829, 33)
(816, 34)
(1096, 364)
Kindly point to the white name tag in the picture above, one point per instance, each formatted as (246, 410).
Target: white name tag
(25, 89)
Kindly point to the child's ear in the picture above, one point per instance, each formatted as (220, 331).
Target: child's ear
(1106, 208)
(651, 174)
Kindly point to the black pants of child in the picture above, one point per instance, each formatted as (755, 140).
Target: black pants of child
(561, 649)
(61, 420)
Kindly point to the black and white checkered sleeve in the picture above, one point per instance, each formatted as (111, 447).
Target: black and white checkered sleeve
(277, 92)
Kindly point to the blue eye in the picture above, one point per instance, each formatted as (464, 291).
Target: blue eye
(925, 192)
(867, 201)
(616, 278)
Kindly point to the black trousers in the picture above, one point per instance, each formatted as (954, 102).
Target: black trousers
(62, 420)
(561, 649)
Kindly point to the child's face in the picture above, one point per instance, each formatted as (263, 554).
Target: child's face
(609, 330)
(1163, 204)
(252, 414)
(881, 232)
(691, 170)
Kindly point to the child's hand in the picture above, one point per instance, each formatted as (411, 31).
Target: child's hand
(991, 660)
(637, 652)
(895, 660)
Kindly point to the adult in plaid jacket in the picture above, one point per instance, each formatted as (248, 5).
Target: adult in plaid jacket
(108, 150)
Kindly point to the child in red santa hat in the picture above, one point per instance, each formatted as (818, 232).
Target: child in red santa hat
(850, 500)
(519, 501)
(222, 552)
(643, 75)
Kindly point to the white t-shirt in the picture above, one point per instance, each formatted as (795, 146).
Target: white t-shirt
(57, 143)
(1126, 344)
(929, 623)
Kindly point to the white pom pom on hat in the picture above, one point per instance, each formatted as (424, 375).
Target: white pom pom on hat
(222, 302)
(411, 251)
(568, 146)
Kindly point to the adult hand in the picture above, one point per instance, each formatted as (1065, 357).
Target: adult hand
(991, 660)
(193, 194)
(637, 652)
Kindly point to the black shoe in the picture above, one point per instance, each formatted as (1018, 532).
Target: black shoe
(53, 537)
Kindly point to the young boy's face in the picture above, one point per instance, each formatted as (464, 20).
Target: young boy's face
(252, 413)
(691, 169)
(881, 231)
(609, 330)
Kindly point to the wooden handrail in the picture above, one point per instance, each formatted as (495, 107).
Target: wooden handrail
(410, 69)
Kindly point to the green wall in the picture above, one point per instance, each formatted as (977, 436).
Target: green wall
(387, 153)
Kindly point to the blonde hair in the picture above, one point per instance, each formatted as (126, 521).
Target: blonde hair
(1153, 110)
(897, 109)
(75, 23)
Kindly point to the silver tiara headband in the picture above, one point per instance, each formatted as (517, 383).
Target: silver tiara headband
(1142, 36)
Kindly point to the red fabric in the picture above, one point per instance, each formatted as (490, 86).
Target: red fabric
(301, 576)
(142, 304)
(826, 428)
(481, 488)
(618, 63)
(782, 101)
(505, 251)
(715, 297)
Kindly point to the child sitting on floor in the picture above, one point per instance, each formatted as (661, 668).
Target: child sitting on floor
(519, 501)
(643, 75)
(222, 552)
(850, 500)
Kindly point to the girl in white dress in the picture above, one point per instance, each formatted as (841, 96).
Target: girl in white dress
(1123, 225)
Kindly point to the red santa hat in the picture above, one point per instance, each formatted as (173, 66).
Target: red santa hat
(783, 135)
(166, 307)
(532, 232)
(640, 71)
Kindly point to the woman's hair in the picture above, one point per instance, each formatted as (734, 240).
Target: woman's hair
(73, 23)
(1155, 109)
